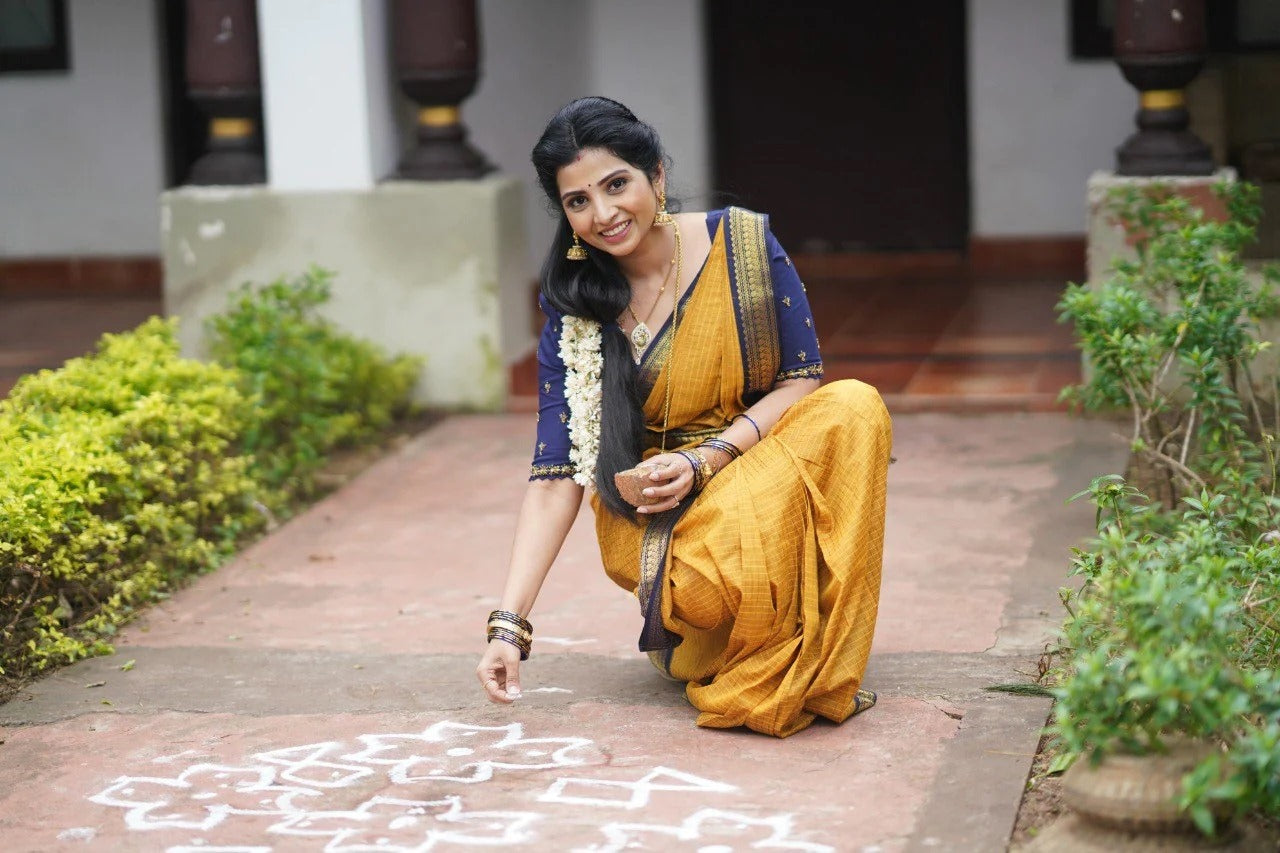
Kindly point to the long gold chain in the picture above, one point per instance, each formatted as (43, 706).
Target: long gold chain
(675, 327)
(657, 299)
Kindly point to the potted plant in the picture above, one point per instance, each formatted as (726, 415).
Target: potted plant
(1172, 717)
(1168, 698)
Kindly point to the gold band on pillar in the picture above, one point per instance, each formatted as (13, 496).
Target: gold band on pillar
(231, 128)
(439, 116)
(1163, 99)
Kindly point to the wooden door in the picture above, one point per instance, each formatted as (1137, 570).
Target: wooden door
(846, 122)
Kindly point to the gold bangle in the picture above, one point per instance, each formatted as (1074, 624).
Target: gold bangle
(705, 471)
(525, 642)
(509, 626)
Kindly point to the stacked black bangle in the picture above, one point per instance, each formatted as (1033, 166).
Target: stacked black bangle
(511, 628)
(724, 446)
(514, 618)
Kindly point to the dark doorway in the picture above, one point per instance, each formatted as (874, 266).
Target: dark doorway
(186, 130)
(847, 122)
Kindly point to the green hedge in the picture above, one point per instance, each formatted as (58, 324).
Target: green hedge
(125, 471)
(316, 387)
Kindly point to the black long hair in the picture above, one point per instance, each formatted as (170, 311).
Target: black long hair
(595, 288)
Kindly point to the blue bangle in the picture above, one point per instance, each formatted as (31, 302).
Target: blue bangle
(753, 423)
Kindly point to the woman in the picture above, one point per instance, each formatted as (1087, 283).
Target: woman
(686, 340)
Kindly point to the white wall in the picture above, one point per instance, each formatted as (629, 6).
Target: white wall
(381, 92)
(82, 157)
(533, 60)
(81, 154)
(1039, 122)
(651, 56)
(538, 56)
(326, 76)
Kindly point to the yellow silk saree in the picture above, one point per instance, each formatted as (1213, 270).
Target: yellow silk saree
(761, 592)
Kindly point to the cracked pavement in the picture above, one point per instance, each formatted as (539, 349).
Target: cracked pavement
(318, 691)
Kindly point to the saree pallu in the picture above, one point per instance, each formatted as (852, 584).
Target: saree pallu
(761, 592)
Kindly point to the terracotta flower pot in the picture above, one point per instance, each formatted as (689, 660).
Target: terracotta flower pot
(1136, 792)
(1130, 803)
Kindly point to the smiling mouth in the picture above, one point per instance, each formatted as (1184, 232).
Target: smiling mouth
(616, 231)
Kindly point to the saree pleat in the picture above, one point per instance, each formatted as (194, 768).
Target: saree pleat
(769, 581)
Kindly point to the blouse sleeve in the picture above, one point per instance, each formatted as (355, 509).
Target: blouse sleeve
(797, 336)
(551, 452)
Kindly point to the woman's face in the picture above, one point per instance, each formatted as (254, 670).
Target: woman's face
(609, 202)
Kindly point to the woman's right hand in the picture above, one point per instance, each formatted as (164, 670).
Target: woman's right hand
(499, 672)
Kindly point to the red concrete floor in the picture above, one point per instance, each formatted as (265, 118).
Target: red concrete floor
(943, 344)
(938, 344)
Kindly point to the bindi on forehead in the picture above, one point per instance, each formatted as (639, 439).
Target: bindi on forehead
(583, 172)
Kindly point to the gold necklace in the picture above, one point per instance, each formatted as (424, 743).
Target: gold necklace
(675, 327)
(641, 334)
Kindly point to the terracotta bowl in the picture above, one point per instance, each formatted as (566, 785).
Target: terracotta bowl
(632, 482)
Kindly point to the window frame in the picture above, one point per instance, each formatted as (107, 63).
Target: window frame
(53, 58)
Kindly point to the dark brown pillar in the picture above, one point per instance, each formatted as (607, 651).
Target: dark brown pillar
(223, 81)
(1160, 46)
(437, 56)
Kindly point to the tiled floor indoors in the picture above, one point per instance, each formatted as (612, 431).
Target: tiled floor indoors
(935, 344)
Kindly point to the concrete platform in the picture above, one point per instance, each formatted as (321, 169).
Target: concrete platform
(318, 692)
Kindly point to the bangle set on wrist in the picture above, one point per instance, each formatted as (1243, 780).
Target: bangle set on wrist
(728, 448)
(703, 470)
(511, 628)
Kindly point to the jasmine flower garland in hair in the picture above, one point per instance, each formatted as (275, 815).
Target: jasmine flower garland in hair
(580, 350)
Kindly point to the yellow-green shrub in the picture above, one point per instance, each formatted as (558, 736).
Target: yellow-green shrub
(124, 471)
(119, 473)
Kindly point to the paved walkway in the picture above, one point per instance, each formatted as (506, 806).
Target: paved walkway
(319, 690)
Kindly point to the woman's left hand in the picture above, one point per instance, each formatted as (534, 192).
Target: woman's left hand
(672, 478)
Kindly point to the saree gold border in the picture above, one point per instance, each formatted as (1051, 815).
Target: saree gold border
(682, 437)
(755, 297)
(653, 555)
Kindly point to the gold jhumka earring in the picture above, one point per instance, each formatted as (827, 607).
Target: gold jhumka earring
(576, 252)
(662, 217)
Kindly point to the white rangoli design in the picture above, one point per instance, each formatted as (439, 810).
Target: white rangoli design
(628, 795)
(407, 793)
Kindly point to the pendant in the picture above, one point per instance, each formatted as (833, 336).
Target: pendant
(640, 337)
